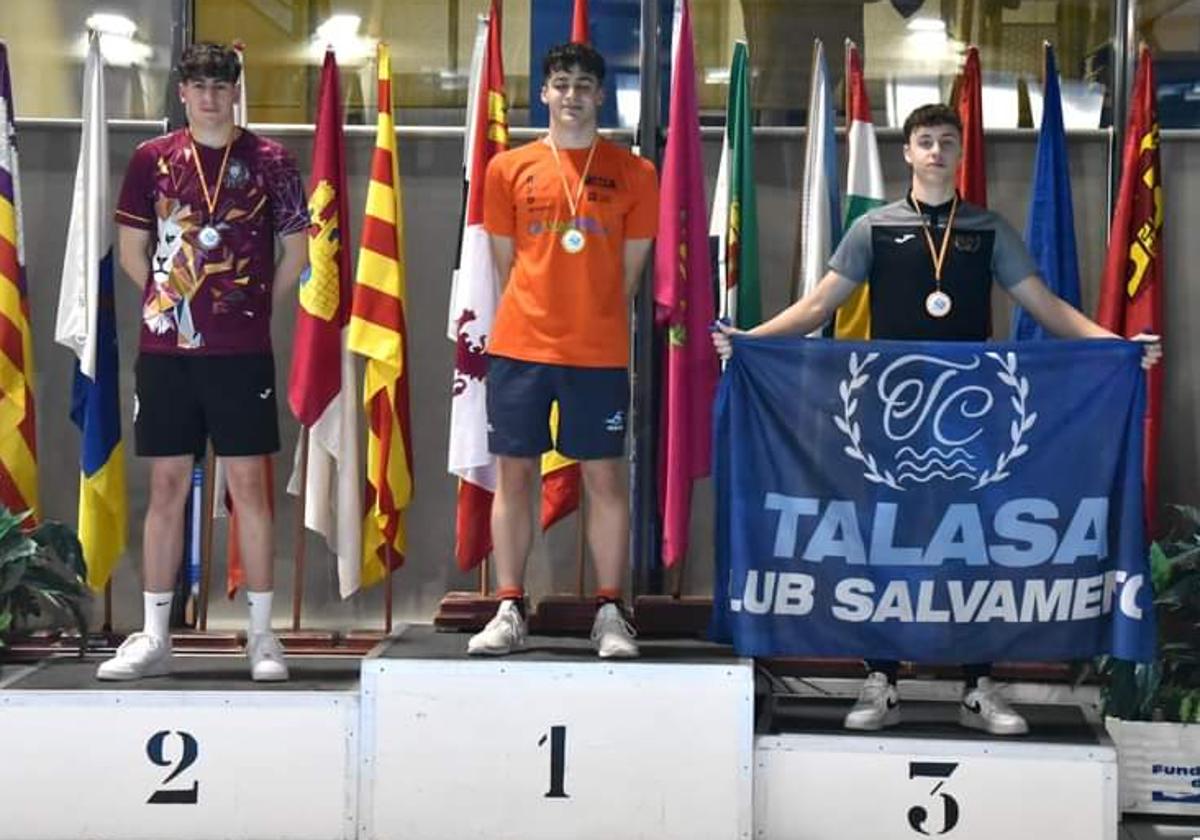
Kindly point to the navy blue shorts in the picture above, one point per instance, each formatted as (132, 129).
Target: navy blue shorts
(592, 406)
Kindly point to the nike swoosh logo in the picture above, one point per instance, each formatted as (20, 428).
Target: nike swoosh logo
(265, 394)
(161, 603)
(975, 707)
(900, 240)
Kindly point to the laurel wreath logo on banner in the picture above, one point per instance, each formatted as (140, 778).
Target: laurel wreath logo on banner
(946, 458)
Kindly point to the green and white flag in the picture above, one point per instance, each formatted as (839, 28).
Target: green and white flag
(734, 221)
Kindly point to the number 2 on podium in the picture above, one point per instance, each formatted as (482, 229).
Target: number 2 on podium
(558, 761)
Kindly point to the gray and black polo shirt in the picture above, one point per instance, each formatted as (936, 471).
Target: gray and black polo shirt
(887, 248)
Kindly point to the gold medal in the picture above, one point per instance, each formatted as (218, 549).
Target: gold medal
(938, 304)
(573, 240)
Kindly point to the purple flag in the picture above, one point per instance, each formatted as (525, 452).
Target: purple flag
(683, 297)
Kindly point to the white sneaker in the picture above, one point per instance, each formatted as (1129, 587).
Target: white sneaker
(878, 705)
(140, 655)
(266, 658)
(504, 632)
(612, 634)
(984, 708)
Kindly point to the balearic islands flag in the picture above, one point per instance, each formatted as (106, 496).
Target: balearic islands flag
(864, 187)
(379, 332)
(1131, 292)
(322, 384)
(87, 325)
(820, 212)
(683, 298)
(473, 297)
(734, 221)
(18, 428)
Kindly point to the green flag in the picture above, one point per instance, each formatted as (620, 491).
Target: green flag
(734, 223)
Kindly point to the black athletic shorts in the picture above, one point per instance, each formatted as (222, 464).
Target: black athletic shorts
(182, 401)
(592, 406)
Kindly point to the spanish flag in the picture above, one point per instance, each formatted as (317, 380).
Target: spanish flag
(18, 442)
(378, 332)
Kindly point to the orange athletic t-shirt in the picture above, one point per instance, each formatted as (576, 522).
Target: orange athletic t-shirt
(563, 308)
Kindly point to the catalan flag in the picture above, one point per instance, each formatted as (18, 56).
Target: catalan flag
(473, 298)
(86, 323)
(378, 332)
(1131, 290)
(18, 441)
(322, 381)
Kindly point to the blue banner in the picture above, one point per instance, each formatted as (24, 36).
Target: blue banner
(932, 502)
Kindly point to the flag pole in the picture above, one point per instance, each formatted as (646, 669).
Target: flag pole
(387, 587)
(107, 625)
(298, 549)
(483, 575)
(581, 536)
(206, 539)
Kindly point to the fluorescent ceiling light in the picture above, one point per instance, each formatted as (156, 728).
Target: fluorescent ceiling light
(110, 24)
(926, 24)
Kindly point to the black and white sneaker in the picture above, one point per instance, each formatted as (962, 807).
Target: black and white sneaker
(984, 708)
(878, 705)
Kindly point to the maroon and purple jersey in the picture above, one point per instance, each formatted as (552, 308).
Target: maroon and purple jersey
(211, 293)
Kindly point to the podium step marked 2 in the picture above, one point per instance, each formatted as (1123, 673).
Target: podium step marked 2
(933, 778)
(551, 742)
(204, 753)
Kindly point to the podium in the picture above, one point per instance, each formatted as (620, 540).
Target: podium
(204, 753)
(930, 777)
(552, 742)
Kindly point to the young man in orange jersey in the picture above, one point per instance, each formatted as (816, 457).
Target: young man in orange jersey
(571, 218)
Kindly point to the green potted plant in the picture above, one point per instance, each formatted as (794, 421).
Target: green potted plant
(1153, 709)
(41, 575)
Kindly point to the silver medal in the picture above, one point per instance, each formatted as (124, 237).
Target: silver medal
(209, 237)
(938, 304)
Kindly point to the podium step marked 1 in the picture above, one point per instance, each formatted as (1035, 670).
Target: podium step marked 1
(551, 742)
(204, 753)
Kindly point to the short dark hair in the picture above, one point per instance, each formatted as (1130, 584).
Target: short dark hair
(207, 60)
(931, 115)
(569, 56)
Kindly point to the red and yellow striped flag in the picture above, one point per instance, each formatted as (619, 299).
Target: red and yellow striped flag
(18, 441)
(378, 332)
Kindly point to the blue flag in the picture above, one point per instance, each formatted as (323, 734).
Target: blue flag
(933, 502)
(1050, 226)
